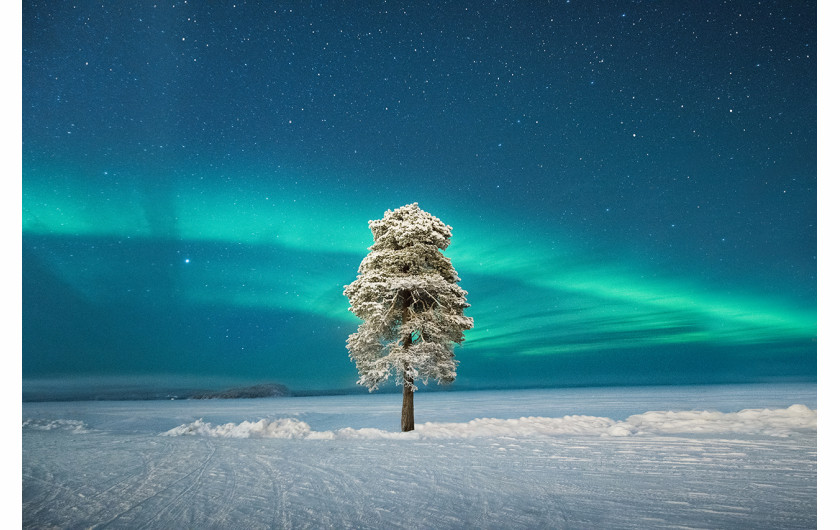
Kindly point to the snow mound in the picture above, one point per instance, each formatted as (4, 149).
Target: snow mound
(775, 422)
(529, 427)
(281, 428)
(74, 426)
(771, 422)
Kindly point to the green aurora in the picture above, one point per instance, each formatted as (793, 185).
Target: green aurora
(280, 254)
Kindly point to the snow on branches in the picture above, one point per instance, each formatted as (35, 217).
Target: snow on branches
(406, 293)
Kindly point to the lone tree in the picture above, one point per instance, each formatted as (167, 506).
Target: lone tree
(406, 293)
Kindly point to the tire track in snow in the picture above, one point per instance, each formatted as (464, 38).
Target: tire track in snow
(224, 507)
(198, 473)
(279, 504)
(149, 466)
(53, 490)
(125, 483)
(350, 488)
(158, 493)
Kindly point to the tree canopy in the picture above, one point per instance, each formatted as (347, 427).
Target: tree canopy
(407, 295)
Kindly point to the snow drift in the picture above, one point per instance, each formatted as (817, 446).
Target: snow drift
(772, 422)
(74, 426)
(282, 428)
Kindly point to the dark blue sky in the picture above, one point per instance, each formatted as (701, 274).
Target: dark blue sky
(631, 185)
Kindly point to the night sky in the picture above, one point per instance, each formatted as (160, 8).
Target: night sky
(632, 186)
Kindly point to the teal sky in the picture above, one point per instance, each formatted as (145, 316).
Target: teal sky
(632, 194)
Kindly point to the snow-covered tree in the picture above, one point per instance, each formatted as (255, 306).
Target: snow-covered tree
(406, 293)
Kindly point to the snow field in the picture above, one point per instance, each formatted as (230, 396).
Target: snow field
(140, 481)
(334, 462)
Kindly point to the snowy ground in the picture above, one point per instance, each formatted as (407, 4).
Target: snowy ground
(582, 458)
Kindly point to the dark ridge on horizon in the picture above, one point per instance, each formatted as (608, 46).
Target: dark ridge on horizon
(266, 390)
(276, 390)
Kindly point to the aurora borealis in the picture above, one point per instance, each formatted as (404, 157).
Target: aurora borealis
(631, 186)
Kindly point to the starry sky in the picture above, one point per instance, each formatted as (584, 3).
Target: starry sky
(632, 186)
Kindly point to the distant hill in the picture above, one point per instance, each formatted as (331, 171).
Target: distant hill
(247, 392)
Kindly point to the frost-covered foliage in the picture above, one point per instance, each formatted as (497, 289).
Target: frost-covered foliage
(406, 293)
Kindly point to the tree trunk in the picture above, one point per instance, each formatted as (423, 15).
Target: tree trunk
(407, 422)
(408, 405)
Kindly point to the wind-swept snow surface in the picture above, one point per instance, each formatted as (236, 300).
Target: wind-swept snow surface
(742, 461)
